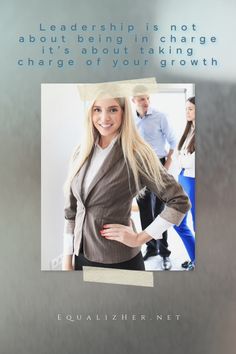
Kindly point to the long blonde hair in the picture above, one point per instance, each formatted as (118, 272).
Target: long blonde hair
(138, 155)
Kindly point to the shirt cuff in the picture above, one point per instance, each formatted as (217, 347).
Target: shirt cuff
(157, 227)
(68, 242)
(69, 226)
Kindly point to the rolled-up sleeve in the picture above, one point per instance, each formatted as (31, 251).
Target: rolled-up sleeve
(172, 194)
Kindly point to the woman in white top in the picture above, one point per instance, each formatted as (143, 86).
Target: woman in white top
(186, 158)
(108, 170)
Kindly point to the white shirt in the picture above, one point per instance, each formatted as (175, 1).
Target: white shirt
(99, 156)
(185, 159)
(155, 229)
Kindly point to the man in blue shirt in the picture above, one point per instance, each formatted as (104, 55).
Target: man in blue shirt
(154, 127)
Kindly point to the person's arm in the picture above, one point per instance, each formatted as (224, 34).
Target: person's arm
(127, 235)
(176, 206)
(67, 262)
(169, 159)
(173, 196)
(68, 242)
(170, 137)
(70, 213)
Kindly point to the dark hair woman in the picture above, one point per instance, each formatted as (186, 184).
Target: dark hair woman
(186, 158)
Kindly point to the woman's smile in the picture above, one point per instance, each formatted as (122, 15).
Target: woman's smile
(105, 126)
(107, 117)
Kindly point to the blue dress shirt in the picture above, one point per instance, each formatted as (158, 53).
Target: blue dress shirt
(156, 131)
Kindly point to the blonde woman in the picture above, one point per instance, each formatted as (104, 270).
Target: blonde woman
(108, 170)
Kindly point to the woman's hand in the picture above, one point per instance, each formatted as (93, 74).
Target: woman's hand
(67, 263)
(124, 234)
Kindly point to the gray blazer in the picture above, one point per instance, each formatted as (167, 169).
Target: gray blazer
(109, 200)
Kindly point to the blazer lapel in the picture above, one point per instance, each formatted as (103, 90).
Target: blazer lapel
(80, 178)
(115, 155)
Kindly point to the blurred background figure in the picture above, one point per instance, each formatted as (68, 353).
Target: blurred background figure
(154, 128)
(186, 160)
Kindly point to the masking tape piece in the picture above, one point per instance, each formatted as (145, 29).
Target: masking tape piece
(125, 88)
(118, 276)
